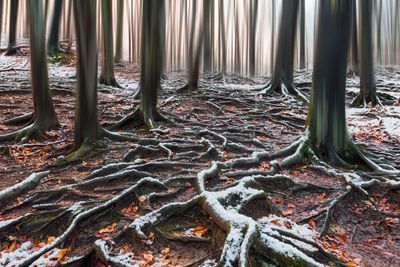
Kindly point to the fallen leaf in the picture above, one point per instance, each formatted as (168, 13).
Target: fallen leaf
(287, 212)
(288, 225)
(142, 199)
(312, 224)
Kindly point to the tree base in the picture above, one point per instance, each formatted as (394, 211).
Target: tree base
(283, 89)
(13, 51)
(27, 132)
(85, 150)
(187, 88)
(109, 81)
(138, 118)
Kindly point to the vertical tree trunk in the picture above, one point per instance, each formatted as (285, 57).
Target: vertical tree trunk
(253, 36)
(107, 71)
(12, 31)
(238, 63)
(222, 37)
(354, 60)
(272, 55)
(120, 30)
(367, 74)
(152, 43)
(326, 116)
(1, 18)
(87, 126)
(54, 37)
(206, 36)
(282, 76)
(379, 32)
(302, 35)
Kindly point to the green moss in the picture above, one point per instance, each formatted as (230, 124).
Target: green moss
(60, 58)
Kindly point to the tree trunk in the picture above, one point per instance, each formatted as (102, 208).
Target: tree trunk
(44, 113)
(222, 37)
(367, 74)
(1, 18)
(282, 76)
(107, 71)
(302, 35)
(120, 29)
(87, 127)
(152, 56)
(54, 37)
(354, 60)
(12, 31)
(206, 36)
(253, 36)
(326, 116)
(273, 10)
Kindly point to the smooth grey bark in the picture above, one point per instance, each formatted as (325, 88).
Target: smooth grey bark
(107, 76)
(152, 55)
(326, 116)
(302, 35)
(1, 17)
(222, 38)
(354, 53)
(87, 126)
(120, 30)
(253, 36)
(207, 35)
(273, 17)
(53, 44)
(367, 73)
(12, 30)
(282, 75)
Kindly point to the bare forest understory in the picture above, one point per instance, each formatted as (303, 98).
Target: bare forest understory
(205, 187)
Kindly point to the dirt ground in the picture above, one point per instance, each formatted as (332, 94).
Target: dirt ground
(364, 231)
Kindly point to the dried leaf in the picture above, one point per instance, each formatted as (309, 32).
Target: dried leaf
(312, 224)
(287, 212)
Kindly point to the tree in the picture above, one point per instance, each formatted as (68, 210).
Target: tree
(44, 116)
(107, 71)
(120, 29)
(12, 30)
(354, 60)
(253, 36)
(153, 21)
(207, 46)
(326, 137)
(53, 45)
(367, 74)
(87, 129)
(222, 40)
(302, 35)
(1, 17)
(194, 53)
(282, 76)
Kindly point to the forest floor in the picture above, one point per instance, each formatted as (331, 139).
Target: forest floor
(222, 121)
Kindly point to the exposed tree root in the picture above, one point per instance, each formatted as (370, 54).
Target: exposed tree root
(26, 118)
(284, 89)
(24, 134)
(16, 190)
(363, 101)
(109, 81)
(187, 88)
(139, 118)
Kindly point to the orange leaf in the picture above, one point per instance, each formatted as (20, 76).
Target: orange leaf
(50, 239)
(351, 264)
(62, 253)
(288, 224)
(312, 224)
(287, 212)
(142, 199)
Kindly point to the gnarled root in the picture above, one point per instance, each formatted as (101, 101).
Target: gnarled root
(109, 81)
(24, 134)
(139, 118)
(284, 89)
(26, 118)
(362, 100)
(188, 88)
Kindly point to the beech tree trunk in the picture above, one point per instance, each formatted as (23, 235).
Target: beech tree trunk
(206, 36)
(302, 35)
(284, 58)
(152, 57)
(107, 71)
(87, 127)
(54, 37)
(367, 73)
(120, 30)
(12, 31)
(326, 116)
(354, 59)
(44, 114)
(253, 36)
